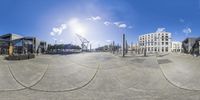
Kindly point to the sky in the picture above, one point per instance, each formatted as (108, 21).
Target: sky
(99, 21)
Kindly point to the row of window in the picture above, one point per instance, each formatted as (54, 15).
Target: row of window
(155, 40)
(155, 43)
(158, 49)
(162, 38)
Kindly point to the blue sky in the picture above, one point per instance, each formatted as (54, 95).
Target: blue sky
(100, 21)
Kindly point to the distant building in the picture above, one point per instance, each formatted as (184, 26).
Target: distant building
(155, 42)
(176, 46)
(191, 46)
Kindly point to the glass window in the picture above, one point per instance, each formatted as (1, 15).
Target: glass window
(166, 49)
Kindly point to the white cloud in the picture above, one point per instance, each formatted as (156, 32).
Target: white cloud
(181, 20)
(160, 29)
(107, 23)
(109, 41)
(122, 25)
(58, 30)
(116, 23)
(187, 30)
(94, 18)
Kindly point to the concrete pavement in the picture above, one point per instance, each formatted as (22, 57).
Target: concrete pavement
(96, 76)
(181, 70)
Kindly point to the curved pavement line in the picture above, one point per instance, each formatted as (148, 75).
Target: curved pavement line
(8, 90)
(172, 83)
(30, 87)
(20, 83)
(73, 89)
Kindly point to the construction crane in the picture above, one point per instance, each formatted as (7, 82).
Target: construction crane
(84, 42)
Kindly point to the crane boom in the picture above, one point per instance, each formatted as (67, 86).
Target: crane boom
(84, 42)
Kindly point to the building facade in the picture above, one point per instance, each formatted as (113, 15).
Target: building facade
(176, 46)
(20, 44)
(155, 42)
(191, 46)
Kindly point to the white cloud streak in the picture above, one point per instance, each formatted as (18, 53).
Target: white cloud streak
(120, 25)
(107, 23)
(116, 23)
(187, 30)
(181, 20)
(109, 41)
(94, 18)
(161, 30)
(58, 30)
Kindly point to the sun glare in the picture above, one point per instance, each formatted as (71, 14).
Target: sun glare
(77, 27)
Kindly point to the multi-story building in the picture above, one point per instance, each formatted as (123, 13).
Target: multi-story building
(176, 46)
(155, 42)
(20, 44)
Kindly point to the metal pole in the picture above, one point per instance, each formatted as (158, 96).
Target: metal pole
(113, 49)
(131, 47)
(126, 47)
(123, 45)
(199, 47)
(145, 49)
(90, 47)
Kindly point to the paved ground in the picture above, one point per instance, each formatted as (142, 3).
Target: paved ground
(101, 76)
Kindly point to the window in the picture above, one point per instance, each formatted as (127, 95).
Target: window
(166, 49)
(162, 43)
(162, 49)
(166, 43)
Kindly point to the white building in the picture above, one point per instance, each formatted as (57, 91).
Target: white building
(155, 42)
(176, 46)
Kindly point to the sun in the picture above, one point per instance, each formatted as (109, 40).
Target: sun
(76, 27)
